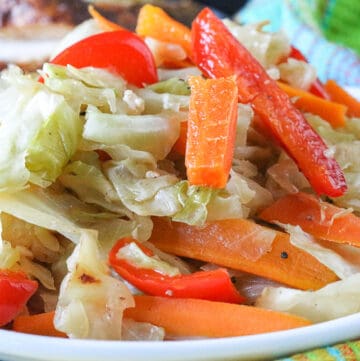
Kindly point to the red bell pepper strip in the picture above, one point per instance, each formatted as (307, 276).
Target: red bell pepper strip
(213, 285)
(218, 54)
(317, 88)
(15, 291)
(121, 52)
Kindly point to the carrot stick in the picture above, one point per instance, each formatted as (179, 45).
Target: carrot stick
(223, 243)
(155, 23)
(104, 23)
(192, 317)
(211, 130)
(340, 95)
(330, 111)
(40, 324)
(321, 219)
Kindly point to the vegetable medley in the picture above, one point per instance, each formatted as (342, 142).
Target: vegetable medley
(176, 183)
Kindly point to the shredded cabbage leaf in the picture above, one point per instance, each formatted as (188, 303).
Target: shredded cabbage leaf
(334, 261)
(268, 48)
(85, 29)
(89, 85)
(39, 132)
(150, 133)
(344, 144)
(91, 302)
(136, 257)
(62, 212)
(141, 331)
(175, 86)
(335, 300)
(298, 74)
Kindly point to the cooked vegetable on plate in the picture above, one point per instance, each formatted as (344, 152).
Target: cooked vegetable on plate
(176, 182)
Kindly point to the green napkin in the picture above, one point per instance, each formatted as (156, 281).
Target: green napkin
(347, 351)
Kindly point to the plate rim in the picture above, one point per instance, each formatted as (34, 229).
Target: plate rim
(274, 344)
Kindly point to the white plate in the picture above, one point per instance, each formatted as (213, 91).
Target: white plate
(354, 91)
(21, 347)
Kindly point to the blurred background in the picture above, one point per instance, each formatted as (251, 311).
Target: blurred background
(326, 32)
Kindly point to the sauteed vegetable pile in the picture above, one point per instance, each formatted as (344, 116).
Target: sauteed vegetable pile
(176, 183)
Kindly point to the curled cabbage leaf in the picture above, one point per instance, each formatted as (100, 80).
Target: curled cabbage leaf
(164, 52)
(344, 145)
(135, 256)
(141, 331)
(85, 29)
(62, 212)
(157, 102)
(86, 86)
(267, 48)
(91, 303)
(151, 133)
(149, 191)
(335, 300)
(175, 86)
(297, 73)
(9, 256)
(39, 132)
(28, 248)
(330, 258)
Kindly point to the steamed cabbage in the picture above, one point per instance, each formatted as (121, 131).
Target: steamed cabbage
(39, 132)
(87, 159)
(91, 302)
(335, 300)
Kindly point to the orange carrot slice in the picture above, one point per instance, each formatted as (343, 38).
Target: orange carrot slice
(330, 111)
(223, 243)
(155, 23)
(211, 130)
(104, 23)
(321, 219)
(192, 317)
(40, 324)
(340, 95)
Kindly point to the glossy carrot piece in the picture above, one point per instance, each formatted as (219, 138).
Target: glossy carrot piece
(321, 219)
(332, 112)
(40, 324)
(192, 317)
(154, 22)
(224, 242)
(340, 95)
(211, 130)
